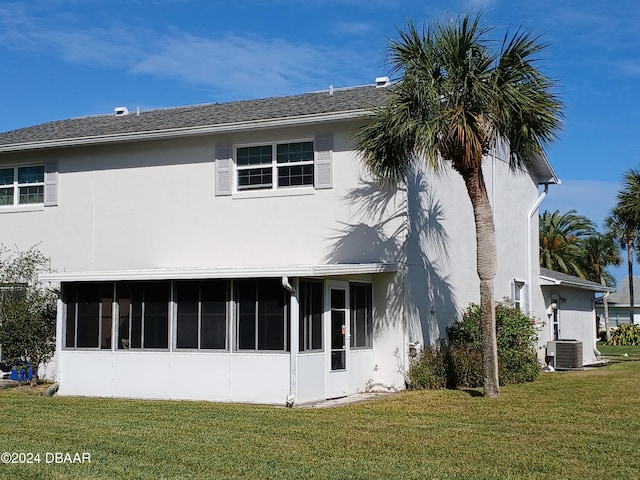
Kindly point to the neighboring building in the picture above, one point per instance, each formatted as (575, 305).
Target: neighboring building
(619, 304)
(571, 311)
(241, 252)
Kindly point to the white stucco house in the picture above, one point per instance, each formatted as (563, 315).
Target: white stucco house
(240, 251)
(571, 315)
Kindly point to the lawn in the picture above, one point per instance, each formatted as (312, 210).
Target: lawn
(564, 425)
(616, 352)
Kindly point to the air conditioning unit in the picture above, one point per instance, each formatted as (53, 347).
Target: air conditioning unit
(565, 354)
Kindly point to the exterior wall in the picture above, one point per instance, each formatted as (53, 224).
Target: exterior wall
(262, 378)
(442, 278)
(151, 204)
(618, 316)
(148, 205)
(576, 319)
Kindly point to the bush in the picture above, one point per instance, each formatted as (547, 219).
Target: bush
(625, 335)
(458, 362)
(429, 369)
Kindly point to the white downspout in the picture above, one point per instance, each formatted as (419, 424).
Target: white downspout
(532, 212)
(294, 347)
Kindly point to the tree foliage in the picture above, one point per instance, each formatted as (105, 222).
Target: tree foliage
(27, 308)
(459, 96)
(561, 241)
(570, 243)
(624, 223)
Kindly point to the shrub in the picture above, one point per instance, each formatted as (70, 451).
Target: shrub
(458, 362)
(429, 368)
(516, 334)
(465, 368)
(625, 335)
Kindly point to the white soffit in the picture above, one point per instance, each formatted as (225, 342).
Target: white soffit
(224, 272)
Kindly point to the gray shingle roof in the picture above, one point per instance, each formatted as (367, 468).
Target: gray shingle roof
(572, 281)
(621, 295)
(183, 119)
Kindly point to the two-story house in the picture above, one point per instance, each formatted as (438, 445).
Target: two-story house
(241, 252)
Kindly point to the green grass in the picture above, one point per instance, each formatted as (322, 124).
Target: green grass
(565, 425)
(618, 351)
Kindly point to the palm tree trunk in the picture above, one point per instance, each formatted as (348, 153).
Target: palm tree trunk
(486, 267)
(632, 302)
(605, 307)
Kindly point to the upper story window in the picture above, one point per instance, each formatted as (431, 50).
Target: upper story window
(274, 166)
(22, 185)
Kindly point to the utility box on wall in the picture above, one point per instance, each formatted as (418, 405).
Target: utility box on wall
(565, 354)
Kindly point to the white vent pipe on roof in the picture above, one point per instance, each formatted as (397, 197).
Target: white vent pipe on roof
(382, 81)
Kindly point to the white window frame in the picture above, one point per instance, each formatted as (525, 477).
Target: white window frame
(519, 294)
(16, 186)
(274, 166)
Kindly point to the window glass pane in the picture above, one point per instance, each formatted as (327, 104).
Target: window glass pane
(33, 194)
(31, 174)
(157, 296)
(88, 316)
(295, 175)
(338, 298)
(294, 152)
(6, 176)
(214, 315)
(246, 304)
(6, 196)
(256, 155)
(361, 315)
(255, 178)
(187, 297)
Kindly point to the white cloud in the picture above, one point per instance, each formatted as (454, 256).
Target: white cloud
(241, 66)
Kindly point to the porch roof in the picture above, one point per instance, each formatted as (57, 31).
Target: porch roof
(551, 278)
(268, 271)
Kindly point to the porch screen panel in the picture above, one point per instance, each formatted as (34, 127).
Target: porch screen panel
(136, 316)
(69, 292)
(156, 315)
(187, 297)
(311, 309)
(106, 315)
(271, 315)
(88, 320)
(124, 316)
(213, 328)
(246, 305)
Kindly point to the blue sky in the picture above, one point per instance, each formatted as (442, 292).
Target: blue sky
(66, 58)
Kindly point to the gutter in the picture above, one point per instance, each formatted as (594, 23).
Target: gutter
(532, 212)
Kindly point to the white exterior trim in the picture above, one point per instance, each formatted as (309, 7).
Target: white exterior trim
(224, 272)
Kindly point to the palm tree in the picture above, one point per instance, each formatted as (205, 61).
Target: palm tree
(624, 223)
(600, 251)
(456, 98)
(561, 235)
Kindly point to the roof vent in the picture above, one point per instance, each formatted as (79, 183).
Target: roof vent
(121, 111)
(382, 82)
